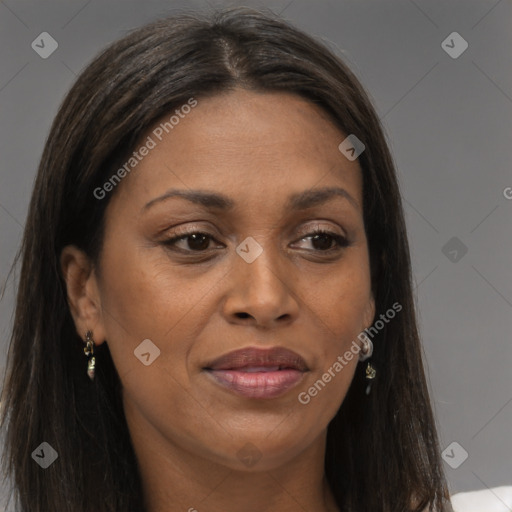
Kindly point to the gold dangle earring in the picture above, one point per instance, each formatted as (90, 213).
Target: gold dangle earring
(89, 352)
(370, 375)
(366, 352)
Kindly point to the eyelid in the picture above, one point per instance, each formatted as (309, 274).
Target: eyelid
(322, 226)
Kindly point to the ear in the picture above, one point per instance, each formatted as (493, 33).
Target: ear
(369, 314)
(82, 292)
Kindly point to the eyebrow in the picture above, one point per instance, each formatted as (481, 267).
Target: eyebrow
(213, 200)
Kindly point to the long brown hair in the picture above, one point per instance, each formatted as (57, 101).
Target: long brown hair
(382, 449)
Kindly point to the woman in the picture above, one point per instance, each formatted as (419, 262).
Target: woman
(215, 308)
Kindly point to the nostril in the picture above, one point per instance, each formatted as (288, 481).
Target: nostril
(243, 315)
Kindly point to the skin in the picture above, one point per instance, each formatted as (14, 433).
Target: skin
(256, 149)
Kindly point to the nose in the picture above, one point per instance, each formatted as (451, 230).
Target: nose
(261, 293)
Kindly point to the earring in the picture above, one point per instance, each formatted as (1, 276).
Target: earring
(365, 353)
(366, 348)
(89, 352)
(371, 372)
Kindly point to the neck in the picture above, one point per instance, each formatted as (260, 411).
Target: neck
(230, 491)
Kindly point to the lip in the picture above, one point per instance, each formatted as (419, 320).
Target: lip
(258, 373)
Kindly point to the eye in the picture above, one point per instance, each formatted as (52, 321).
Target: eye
(323, 240)
(197, 241)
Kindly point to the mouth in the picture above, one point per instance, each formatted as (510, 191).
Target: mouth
(258, 373)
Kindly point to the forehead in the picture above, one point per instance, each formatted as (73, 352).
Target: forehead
(247, 144)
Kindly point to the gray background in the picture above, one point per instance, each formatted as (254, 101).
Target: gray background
(449, 127)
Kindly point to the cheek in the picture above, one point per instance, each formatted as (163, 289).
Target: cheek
(338, 306)
(341, 299)
(149, 306)
(147, 291)
(143, 297)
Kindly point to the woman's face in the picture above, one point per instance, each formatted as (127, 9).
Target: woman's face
(257, 279)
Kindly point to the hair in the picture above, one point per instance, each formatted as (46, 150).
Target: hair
(382, 450)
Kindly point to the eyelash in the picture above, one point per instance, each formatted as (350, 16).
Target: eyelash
(340, 240)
